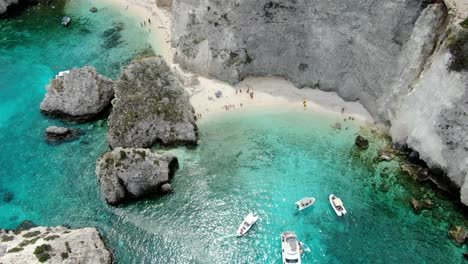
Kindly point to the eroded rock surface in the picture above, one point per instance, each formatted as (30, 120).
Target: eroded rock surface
(53, 245)
(150, 106)
(128, 174)
(80, 95)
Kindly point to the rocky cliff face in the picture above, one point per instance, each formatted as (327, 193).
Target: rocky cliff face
(53, 245)
(11, 6)
(351, 47)
(396, 57)
(5, 3)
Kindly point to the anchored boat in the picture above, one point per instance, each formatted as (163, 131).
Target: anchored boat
(305, 203)
(337, 205)
(291, 248)
(249, 221)
(66, 20)
(62, 73)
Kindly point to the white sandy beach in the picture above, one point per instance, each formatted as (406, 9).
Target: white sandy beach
(268, 91)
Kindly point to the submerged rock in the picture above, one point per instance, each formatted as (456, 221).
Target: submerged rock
(93, 9)
(458, 234)
(361, 142)
(150, 106)
(384, 155)
(166, 188)
(53, 245)
(57, 135)
(79, 95)
(25, 225)
(126, 174)
(8, 197)
(416, 205)
(419, 205)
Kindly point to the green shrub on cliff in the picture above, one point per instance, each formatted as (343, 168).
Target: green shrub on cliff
(458, 47)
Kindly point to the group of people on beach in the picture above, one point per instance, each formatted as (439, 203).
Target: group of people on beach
(231, 106)
(251, 94)
(143, 24)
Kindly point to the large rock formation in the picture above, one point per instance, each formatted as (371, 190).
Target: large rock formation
(405, 61)
(81, 94)
(127, 174)
(53, 245)
(57, 135)
(150, 106)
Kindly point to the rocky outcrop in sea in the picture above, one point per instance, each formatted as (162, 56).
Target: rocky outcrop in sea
(410, 72)
(80, 95)
(56, 135)
(53, 245)
(150, 106)
(129, 174)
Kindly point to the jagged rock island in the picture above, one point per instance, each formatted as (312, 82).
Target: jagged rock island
(128, 174)
(80, 95)
(150, 106)
(53, 245)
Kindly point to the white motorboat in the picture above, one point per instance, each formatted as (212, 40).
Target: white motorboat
(249, 221)
(337, 205)
(291, 248)
(62, 73)
(305, 203)
(66, 20)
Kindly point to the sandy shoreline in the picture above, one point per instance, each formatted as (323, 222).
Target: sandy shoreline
(268, 91)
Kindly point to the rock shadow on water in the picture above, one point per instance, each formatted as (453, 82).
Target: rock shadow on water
(113, 36)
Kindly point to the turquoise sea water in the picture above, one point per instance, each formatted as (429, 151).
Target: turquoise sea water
(263, 160)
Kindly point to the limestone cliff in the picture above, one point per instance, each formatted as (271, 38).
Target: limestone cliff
(405, 60)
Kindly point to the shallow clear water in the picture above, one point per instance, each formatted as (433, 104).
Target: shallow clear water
(262, 161)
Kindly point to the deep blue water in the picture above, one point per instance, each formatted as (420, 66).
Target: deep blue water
(262, 160)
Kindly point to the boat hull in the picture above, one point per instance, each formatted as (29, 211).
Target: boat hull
(251, 219)
(290, 255)
(301, 205)
(337, 211)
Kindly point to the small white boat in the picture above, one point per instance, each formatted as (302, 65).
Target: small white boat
(305, 203)
(337, 205)
(66, 20)
(62, 73)
(305, 247)
(291, 248)
(249, 221)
